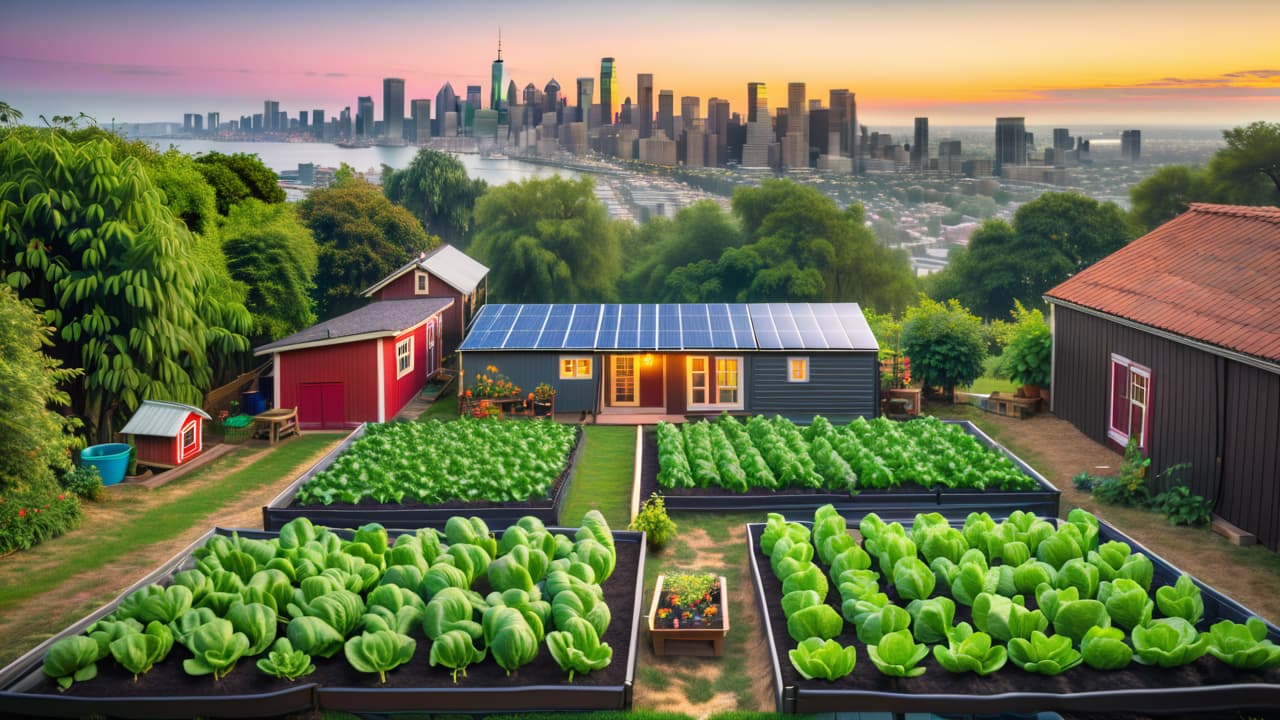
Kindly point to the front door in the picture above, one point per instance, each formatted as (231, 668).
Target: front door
(624, 391)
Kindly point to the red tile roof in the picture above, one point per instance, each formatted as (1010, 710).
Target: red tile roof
(1211, 274)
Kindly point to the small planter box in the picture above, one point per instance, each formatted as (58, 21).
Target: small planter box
(691, 639)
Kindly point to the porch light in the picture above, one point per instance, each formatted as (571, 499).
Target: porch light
(648, 359)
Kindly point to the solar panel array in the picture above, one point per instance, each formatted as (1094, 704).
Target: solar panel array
(709, 326)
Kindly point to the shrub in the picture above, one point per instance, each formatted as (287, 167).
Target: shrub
(1129, 487)
(85, 482)
(32, 515)
(1027, 358)
(653, 520)
(945, 344)
(1085, 482)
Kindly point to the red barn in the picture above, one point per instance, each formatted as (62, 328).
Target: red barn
(444, 272)
(166, 434)
(363, 366)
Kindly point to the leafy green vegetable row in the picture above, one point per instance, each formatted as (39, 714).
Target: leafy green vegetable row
(433, 462)
(308, 594)
(877, 454)
(1090, 593)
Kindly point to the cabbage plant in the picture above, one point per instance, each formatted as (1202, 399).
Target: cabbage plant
(815, 658)
(1243, 646)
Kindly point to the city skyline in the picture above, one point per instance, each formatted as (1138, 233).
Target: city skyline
(1130, 63)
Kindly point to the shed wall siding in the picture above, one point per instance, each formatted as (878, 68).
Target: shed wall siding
(157, 450)
(355, 365)
(841, 386)
(528, 369)
(400, 391)
(1199, 403)
(453, 322)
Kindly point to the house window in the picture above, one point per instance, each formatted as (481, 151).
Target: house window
(697, 381)
(798, 369)
(1130, 414)
(575, 368)
(404, 357)
(420, 286)
(190, 441)
(727, 381)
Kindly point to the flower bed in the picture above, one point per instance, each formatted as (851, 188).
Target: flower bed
(893, 469)
(349, 680)
(1204, 684)
(421, 474)
(689, 609)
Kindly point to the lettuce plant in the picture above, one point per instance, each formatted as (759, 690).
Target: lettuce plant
(977, 527)
(1006, 618)
(581, 602)
(577, 648)
(941, 541)
(1243, 646)
(1087, 523)
(258, 623)
(972, 580)
(1032, 574)
(104, 632)
(898, 655)
(854, 558)
(777, 526)
(215, 648)
(71, 660)
(166, 605)
(450, 609)
(379, 651)
(1078, 574)
(314, 637)
(537, 613)
(455, 650)
(815, 658)
(1077, 617)
(819, 621)
(932, 618)
(460, 530)
(1127, 602)
(187, 623)
(1047, 655)
(969, 651)
(872, 626)
(789, 556)
(1116, 560)
(913, 579)
(1050, 599)
(1168, 642)
(856, 584)
(809, 578)
(139, 652)
(508, 637)
(1105, 649)
(286, 663)
(1181, 600)
(799, 600)
(600, 557)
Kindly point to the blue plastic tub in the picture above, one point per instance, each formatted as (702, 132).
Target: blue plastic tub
(111, 459)
(254, 402)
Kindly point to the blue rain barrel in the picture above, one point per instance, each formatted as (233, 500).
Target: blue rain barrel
(111, 459)
(253, 402)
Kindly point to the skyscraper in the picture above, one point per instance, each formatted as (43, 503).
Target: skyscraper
(393, 108)
(495, 87)
(666, 113)
(642, 116)
(551, 96)
(718, 126)
(843, 119)
(364, 116)
(586, 90)
(690, 109)
(1011, 142)
(1062, 139)
(420, 127)
(213, 122)
(757, 96)
(920, 145)
(1131, 145)
(608, 89)
(302, 118)
(446, 109)
(270, 111)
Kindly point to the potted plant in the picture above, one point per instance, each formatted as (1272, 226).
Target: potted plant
(1028, 356)
(653, 521)
(689, 607)
(543, 400)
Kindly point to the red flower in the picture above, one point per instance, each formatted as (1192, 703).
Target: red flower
(62, 497)
(22, 513)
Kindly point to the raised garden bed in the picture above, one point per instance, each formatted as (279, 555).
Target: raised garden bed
(167, 691)
(408, 514)
(1205, 685)
(901, 503)
(702, 634)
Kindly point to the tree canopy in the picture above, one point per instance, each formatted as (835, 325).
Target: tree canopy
(269, 250)
(360, 236)
(238, 176)
(662, 248)
(547, 240)
(436, 189)
(944, 342)
(87, 237)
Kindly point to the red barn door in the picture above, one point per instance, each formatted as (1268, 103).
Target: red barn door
(320, 405)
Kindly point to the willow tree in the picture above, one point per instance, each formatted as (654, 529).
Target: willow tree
(85, 235)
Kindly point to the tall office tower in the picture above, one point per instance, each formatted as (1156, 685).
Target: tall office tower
(214, 122)
(795, 148)
(344, 122)
(364, 116)
(469, 110)
(949, 157)
(920, 145)
(533, 102)
(795, 105)
(757, 96)
(642, 115)
(420, 125)
(257, 122)
(666, 113)
(446, 104)
(393, 108)
(1011, 142)
(608, 89)
(495, 79)
(245, 124)
(718, 126)
(270, 111)
(625, 114)
(551, 97)
(302, 118)
(690, 109)
(513, 93)
(819, 122)
(586, 90)
(1062, 139)
(1130, 144)
(188, 123)
(317, 123)
(844, 119)
(198, 121)
(282, 120)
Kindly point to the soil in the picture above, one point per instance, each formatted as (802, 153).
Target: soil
(168, 678)
(1011, 679)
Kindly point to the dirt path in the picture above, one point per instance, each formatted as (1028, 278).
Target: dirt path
(1250, 575)
(27, 623)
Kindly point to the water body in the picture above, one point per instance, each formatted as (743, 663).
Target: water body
(281, 156)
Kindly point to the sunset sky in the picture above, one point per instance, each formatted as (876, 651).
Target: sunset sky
(1140, 62)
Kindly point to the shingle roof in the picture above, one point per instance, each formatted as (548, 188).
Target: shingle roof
(379, 319)
(456, 268)
(159, 418)
(1211, 274)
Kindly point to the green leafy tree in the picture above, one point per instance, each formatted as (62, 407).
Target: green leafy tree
(547, 240)
(1252, 154)
(944, 342)
(252, 179)
(9, 115)
(436, 189)
(1028, 357)
(992, 273)
(699, 233)
(360, 236)
(1167, 194)
(86, 237)
(274, 255)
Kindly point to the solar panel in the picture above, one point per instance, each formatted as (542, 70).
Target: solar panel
(766, 331)
(740, 320)
(556, 327)
(812, 336)
(648, 339)
(607, 338)
(696, 326)
(583, 327)
(669, 327)
(527, 327)
(721, 327)
(788, 333)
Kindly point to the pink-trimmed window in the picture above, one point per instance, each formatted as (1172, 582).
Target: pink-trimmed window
(1130, 406)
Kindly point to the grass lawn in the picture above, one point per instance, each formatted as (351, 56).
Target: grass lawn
(444, 408)
(989, 383)
(602, 480)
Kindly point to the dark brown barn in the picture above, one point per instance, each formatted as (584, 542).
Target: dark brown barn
(1175, 339)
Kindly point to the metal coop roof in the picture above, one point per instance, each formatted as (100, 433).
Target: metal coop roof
(671, 327)
(159, 418)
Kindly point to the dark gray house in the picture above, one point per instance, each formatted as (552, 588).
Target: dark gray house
(1175, 340)
(791, 359)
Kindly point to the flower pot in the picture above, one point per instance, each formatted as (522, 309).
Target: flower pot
(694, 635)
